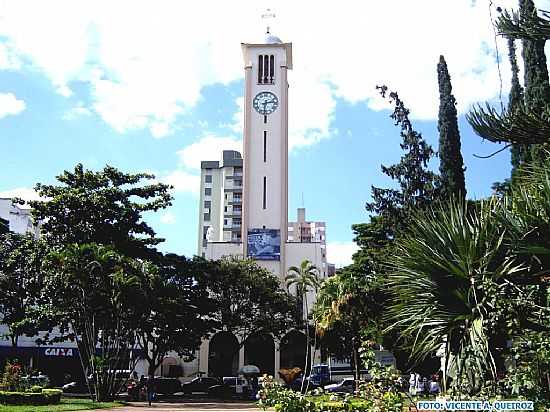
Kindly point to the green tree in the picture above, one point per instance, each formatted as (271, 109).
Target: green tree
(21, 280)
(416, 183)
(527, 125)
(249, 299)
(176, 310)
(349, 304)
(451, 166)
(458, 277)
(519, 153)
(95, 295)
(103, 207)
(305, 280)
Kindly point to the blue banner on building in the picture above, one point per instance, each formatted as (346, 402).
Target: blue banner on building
(264, 244)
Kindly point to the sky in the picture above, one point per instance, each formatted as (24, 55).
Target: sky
(157, 86)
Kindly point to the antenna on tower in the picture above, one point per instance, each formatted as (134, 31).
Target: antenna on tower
(303, 199)
(268, 15)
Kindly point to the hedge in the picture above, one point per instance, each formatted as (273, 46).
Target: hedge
(46, 397)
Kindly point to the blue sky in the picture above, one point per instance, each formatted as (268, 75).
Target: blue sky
(160, 89)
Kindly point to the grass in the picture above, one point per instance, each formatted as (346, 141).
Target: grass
(65, 405)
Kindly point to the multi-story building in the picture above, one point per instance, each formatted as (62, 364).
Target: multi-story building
(19, 219)
(303, 231)
(221, 191)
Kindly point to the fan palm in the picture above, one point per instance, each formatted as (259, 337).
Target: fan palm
(444, 278)
(304, 279)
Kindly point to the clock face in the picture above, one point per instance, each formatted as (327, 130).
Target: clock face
(265, 103)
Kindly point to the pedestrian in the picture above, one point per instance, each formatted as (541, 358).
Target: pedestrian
(412, 384)
(150, 390)
(419, 384)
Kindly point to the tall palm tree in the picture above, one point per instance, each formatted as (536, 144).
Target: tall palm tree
(305, 279)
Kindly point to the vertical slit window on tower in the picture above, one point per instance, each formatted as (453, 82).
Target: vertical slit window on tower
(264, 191)
(265, 146)
(260, 68)
(271, 68)
(265, 118)
(266, 68)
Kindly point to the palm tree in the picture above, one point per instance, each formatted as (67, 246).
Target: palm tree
(350, 304)
(448, 276)
(305, 279)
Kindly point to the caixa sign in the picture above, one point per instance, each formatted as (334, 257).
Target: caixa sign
(59, 352)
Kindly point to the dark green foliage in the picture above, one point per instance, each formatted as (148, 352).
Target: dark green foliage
(527, 124)
(348, 308)
(21, 281)
(416, 183)
(46, 397)
(175, 312)
(519, 153)
(103, 207)
(373, 241)
(537, 89)
(4, 226)
(249, 298)
(95, 298)
(451, 166)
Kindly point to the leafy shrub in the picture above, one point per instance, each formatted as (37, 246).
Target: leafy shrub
(45, 397)
(11, 378)
(275, 395)
(35, 389)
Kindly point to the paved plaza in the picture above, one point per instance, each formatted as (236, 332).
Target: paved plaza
(188, 407)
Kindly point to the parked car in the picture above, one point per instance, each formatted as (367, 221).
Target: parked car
(347, 385)
(199, 385)
(231, 386)
(162, 386)
(296, 384)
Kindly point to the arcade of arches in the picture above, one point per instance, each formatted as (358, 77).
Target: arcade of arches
(225, 358)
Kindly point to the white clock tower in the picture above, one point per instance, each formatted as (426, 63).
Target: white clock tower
(265, 194)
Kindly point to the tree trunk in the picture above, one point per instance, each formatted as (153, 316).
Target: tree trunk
(356, 361)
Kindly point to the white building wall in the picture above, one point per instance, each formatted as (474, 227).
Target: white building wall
(19, 218)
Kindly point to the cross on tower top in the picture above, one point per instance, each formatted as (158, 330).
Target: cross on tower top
(268, 15)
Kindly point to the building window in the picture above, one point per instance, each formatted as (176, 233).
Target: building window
(225, 222)
(265, 146)
(265, 192)
(207, 217)
(265, 119)
(208, 178)
(207, 204)
(208, 191)
(266, 69)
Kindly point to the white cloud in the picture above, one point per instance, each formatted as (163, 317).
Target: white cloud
(208, 148)
(182, 181)
(8, 58)
(25, 193)
(146, 67)
(10, 105)
(340, 253)
(77, 111)
(168, 218)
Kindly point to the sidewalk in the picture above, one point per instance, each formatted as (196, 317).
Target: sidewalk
(188, 407)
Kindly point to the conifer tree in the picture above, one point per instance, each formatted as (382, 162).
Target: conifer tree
(520, 152)
(537, 88)
(451, 167)
(527, 124)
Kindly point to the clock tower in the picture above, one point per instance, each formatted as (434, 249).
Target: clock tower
(265, 143)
